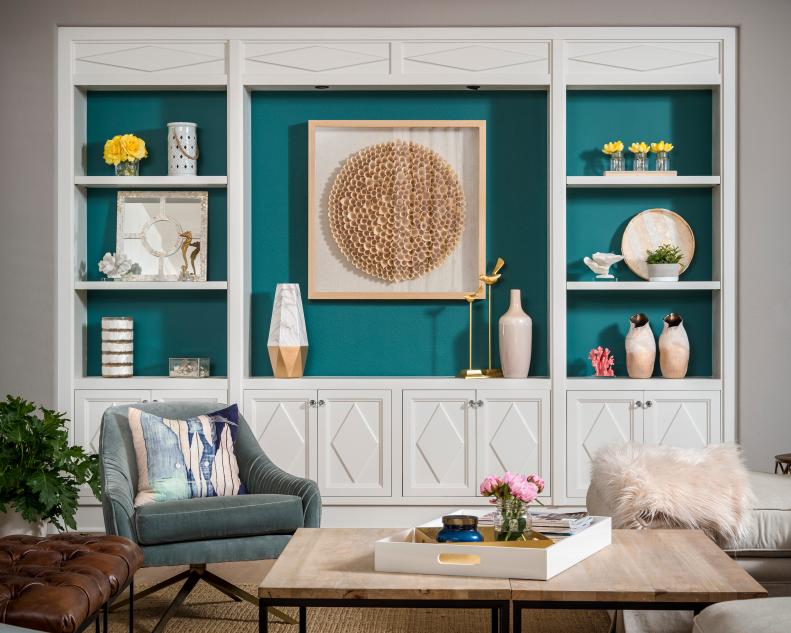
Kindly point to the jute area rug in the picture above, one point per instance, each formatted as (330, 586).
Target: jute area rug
(209, 611)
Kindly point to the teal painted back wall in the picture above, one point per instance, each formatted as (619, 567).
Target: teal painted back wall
(146, 114)
(398, 337)
(682, 117)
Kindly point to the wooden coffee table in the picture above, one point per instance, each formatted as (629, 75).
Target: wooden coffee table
(330, 567)
(642, 569)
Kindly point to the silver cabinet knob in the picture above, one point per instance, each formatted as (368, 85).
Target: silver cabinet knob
(472, 403)
(322, 403)
(311, 403)
(649, 404)
(639, 404)
(479, 403)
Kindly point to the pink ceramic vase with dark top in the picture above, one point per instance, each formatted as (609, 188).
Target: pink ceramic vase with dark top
(516, 339)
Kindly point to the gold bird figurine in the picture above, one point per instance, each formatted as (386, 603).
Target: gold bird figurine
(491, 279)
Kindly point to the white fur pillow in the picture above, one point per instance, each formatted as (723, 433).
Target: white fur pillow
(662, 486)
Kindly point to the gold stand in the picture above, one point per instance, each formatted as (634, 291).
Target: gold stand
(490, 280)
(470, 372)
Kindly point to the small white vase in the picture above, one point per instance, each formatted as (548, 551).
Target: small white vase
(11, 522)
(674, 347)
(640, 347)
(515, 330)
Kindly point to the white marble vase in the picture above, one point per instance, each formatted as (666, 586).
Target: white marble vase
(640, 347)
(515, 330)
(674, 347)
(288, 337)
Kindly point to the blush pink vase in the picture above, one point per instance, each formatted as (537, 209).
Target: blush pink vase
(516, 339)
(640, 347)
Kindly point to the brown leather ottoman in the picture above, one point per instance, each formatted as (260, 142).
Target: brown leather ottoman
(60, 583)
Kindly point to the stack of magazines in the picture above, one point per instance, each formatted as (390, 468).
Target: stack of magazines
(557, 524)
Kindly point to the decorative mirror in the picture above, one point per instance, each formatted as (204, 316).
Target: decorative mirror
(164, 233)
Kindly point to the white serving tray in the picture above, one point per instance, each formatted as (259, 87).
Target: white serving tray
(400, 553)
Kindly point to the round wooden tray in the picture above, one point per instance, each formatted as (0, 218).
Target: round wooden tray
(650, 229)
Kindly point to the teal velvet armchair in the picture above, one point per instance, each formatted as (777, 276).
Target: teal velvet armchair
(195, 532)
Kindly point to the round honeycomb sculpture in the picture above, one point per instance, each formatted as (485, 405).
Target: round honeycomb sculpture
(396, 210)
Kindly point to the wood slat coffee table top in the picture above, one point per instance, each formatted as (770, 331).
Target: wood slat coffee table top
(648, 566)
(338, 563)
(681, 566)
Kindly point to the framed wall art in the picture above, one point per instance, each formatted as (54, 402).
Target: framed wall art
(397, 209)
(164, 233)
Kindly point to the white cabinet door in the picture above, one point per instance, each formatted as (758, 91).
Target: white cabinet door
(595, 419)
(354, 443)
(193, 395)
(689, 419)
(90, 405)
(439, 443)
(284, 423)
(513, 433)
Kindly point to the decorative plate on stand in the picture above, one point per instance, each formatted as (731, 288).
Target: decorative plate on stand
(650, 229)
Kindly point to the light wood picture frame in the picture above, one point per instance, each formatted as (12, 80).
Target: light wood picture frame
(462, 145)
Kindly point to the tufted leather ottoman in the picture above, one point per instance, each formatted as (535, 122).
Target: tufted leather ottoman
(59, 583)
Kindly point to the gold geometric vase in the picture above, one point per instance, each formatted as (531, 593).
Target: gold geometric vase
(288, 337)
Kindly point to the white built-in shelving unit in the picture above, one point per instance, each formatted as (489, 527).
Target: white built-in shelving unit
(550, 424)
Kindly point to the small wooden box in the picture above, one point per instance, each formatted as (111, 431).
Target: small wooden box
(413, 551)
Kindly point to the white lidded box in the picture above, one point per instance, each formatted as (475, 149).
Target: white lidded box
(412, 552)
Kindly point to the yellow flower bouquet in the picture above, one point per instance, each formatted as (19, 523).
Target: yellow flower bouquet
(640, 151)
(662, 149)
(613, 147)
(125, 151)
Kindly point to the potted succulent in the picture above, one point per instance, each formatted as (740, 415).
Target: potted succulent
(40, 474)
(664, 263)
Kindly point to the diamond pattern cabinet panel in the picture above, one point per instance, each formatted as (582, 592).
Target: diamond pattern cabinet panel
(354, 443)
(161, 58)
(194, 395)
(495, 58)
(513, 433)
(317, 58)
(439, 443)
(689, 419)
(595, 419)
(284, 423)
(634, 58)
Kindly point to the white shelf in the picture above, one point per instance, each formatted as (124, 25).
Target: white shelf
(150, 382)
(181, 182)
(151, 285)
(618, 182)
(643, 285)
(624, 383)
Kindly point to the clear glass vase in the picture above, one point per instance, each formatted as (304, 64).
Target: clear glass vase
(640, 161)
(127, 168)
(662, 161)
(617, 162)
(512, 521)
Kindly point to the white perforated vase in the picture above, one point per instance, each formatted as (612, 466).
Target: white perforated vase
(183, 149)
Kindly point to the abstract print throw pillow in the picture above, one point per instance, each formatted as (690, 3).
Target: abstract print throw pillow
(183, 459)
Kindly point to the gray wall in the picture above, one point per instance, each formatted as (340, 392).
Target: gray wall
(27, 181)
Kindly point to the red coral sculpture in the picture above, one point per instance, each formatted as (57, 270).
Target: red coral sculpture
(602, 361)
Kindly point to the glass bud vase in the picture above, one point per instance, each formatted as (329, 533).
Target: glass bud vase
(512, 522)
(640, 161)
(127, 168)
(617, 162)
(662, 161)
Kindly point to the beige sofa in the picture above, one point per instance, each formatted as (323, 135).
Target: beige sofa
(766, 553)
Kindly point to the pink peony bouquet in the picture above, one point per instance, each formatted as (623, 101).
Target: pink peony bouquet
(524, 488)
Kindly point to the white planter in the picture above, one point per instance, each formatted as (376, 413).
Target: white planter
(663, 272)
(183, 149)
(12, 523)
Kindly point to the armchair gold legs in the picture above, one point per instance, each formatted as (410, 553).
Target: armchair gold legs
(194, 574)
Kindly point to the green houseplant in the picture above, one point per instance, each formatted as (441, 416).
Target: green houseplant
(664, 263)
(40, 474)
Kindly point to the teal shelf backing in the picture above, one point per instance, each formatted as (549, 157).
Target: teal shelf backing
(683, 117)
(597, 218)
(602, 318)
(166, 323)
(101, 210)
(398, 337)
(146, 114)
